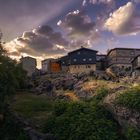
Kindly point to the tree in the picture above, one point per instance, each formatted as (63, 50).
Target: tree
(12, 77)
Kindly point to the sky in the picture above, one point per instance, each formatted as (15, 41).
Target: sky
(52, 28)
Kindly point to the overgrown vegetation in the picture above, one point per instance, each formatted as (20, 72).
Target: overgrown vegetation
(132, 134)
(12, 77)
(34, 108)
(101, 93)
(77, 120)
(130, 98)
(82, 121)
(30, 106)
(11, 130)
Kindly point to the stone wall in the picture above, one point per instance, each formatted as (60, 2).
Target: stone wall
(122, 56)
(82, 68)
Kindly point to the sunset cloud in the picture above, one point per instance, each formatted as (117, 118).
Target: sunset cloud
(79, 28)
(43, 41)
(124, 21)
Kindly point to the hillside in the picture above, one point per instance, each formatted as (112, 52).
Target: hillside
(79, 108)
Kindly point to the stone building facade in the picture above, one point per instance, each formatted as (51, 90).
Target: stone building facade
(82, 60)
(29, 64)
(119, 59)
(136, 66)
(86, 60)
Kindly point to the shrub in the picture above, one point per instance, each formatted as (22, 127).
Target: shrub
(130, 98)
(132, 134)
(101, 93)
(11, 130)
(82, 121)
(60, 107)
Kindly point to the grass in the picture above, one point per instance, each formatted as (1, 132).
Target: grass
(95, 84)
(72, 96)
(34, 108)
(130, 98)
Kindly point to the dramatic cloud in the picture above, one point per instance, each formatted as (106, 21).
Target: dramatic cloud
(124, 21)
(79, 28)
(17, 16)
(41, 42)
(101, 10)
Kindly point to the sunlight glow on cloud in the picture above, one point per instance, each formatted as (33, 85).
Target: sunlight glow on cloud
(124, 21)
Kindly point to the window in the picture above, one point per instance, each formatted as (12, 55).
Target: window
(78, 53)
(84, 59)
(88, 66)
(90, 59)
(74, 60)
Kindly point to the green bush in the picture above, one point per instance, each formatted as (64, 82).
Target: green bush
(12, 77)
(81, 121)
(132, 134)
(11, 130)
(99, 96)
(101, 93)
(60, 107)
(130, 98)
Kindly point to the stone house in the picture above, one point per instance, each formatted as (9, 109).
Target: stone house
(79, 61)
(86, 60)
(29, 64)
(136, 66)
(119, 59)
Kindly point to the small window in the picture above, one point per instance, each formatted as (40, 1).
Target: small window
(78, 53)
(90, 59)
(88, 66)
(84, 59)
(74, 60)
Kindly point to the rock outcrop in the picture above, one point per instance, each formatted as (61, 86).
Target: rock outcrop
(124, 116)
